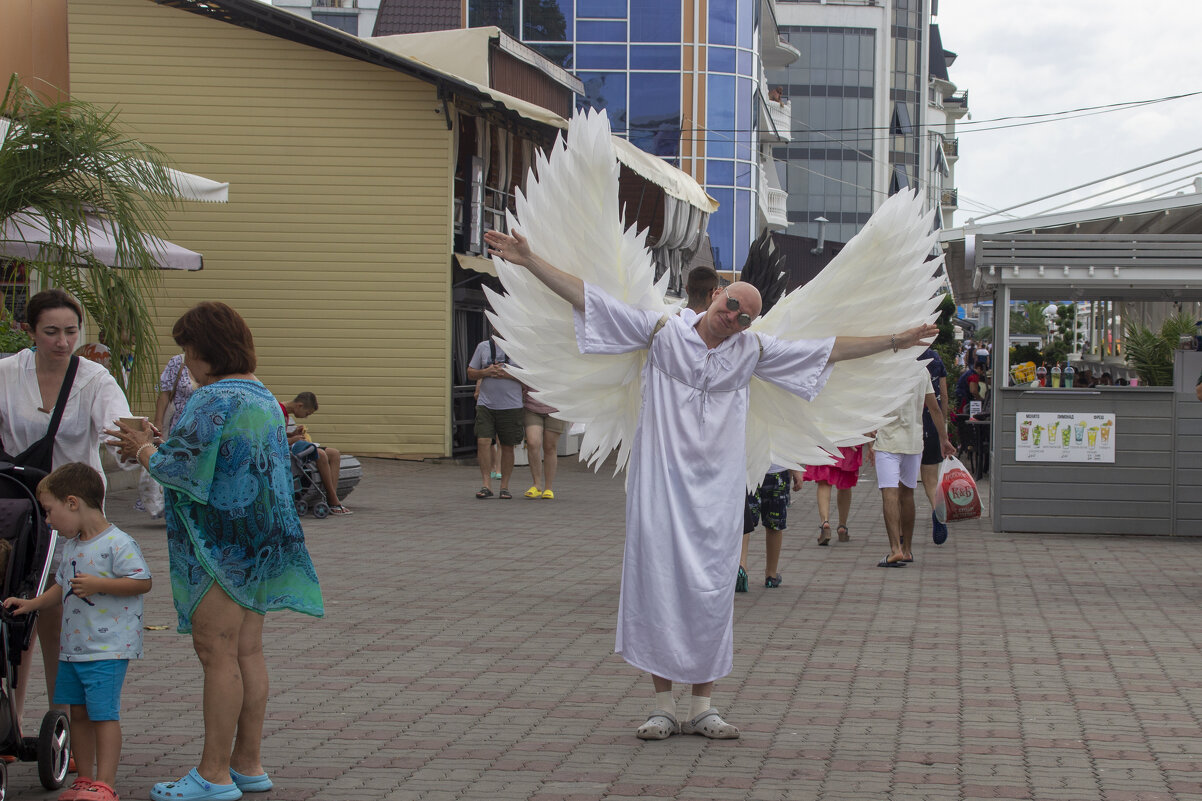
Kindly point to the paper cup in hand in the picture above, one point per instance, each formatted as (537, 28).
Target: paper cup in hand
(134, 422)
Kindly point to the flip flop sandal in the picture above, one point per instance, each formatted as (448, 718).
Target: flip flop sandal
(886, 563)
(843, 535)
(194, 787)
(484, 492)
(660, 725)
(251, 784)
(505, 495)
(548, 495)
(710, 724)
(824, 533)
(533, 492)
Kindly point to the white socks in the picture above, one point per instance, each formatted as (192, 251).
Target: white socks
(698, 704)
(666, 702)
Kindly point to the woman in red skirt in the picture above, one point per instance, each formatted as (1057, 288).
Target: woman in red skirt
(842, 475)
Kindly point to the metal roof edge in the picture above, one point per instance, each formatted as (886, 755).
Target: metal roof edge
(281, 23)
(1072, 217)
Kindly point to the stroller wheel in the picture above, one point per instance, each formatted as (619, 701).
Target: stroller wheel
(302, 508)
(321, 510)
(54, 750)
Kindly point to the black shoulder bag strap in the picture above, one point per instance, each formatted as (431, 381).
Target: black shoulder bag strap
(40, 455)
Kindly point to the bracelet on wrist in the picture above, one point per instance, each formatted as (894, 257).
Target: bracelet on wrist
(893, 342)
(138, 455)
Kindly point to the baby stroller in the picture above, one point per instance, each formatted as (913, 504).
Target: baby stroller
(30, 546)
(307, 492)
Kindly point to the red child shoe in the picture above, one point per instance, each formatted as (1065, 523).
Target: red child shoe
(72, 792)
(98, 791)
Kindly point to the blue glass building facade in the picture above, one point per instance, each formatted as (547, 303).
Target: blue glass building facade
(676, 87)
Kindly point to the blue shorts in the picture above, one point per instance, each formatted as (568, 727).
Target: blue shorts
(304, 450)
(96, 685)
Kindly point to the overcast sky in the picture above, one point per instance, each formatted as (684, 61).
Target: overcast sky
(1034, 56)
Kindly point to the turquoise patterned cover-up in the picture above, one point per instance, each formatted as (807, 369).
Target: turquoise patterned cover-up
(227, 483)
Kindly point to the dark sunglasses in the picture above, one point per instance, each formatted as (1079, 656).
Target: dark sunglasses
(744, 319)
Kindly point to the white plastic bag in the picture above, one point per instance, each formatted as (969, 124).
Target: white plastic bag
(957, 498)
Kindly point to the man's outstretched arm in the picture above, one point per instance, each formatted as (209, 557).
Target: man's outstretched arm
(515, 250)
(855, 347)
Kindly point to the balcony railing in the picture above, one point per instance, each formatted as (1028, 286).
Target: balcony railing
(951, 148)
(781, 113)
(950, 198)
(772, 204)
(335, 3)
(958, 99)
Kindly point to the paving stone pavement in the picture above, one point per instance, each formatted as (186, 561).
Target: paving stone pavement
(466, 654)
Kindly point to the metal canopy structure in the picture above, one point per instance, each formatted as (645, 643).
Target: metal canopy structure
(1151, 250)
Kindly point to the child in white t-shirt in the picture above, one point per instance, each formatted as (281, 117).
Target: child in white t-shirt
(100, 583)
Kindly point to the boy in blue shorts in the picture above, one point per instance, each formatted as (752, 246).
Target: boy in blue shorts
(100, 583)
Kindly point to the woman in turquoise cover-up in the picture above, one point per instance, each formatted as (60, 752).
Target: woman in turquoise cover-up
(236, 546)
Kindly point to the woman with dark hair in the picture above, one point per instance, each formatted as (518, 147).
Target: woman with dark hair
(236, 546)
(30, 385)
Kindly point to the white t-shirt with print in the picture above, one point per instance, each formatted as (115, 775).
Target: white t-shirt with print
(110, 627)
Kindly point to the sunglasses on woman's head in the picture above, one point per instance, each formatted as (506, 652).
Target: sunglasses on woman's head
(744, 319)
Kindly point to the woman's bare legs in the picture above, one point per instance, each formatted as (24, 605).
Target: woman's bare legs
(550, 456)
(228, 641)
(534, 452)
(49, 625)
(247, 755)
(824, 512)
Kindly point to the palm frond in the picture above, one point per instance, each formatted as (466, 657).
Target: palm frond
(60, 162)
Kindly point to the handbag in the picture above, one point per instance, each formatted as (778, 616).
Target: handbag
(40, 455)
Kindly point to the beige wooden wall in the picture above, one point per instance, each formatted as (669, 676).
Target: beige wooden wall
(335, 244)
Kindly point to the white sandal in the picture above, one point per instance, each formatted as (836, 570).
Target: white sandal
(660, 725)
(710, 724)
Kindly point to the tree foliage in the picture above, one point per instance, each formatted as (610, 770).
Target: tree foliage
(60, 162)
(1150, 353)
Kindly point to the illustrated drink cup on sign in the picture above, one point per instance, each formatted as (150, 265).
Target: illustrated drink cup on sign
(1080, 430)
(1065, 435)
(1093, 436)
(1038, 432)
(1105, 432)
(1024, 431)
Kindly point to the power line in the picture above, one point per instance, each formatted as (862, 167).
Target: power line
(1097, 181)
(1036, 119)
(1121, 188)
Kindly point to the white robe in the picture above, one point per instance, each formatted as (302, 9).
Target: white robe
(685, 487)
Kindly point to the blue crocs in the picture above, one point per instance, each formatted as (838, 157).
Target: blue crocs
(194, 787)
(251, 784)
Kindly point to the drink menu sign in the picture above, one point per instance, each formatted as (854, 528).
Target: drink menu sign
(1064, 437)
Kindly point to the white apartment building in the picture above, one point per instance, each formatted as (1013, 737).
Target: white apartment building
(356, 17)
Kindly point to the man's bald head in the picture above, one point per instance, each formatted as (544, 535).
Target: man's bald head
(722, 321)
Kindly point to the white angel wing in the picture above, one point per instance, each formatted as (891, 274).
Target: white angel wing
(880, 283)
(570, 215)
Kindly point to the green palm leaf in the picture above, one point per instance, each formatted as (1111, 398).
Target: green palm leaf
(61, 161)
